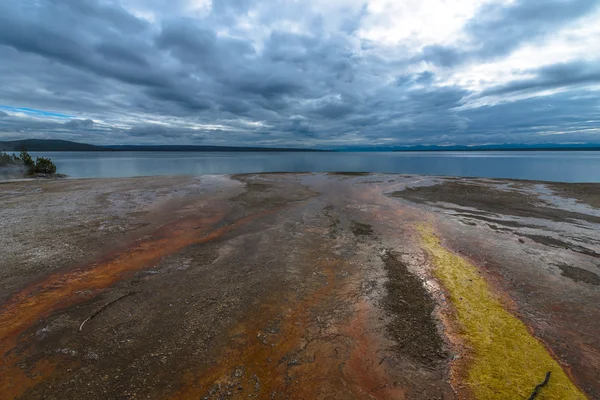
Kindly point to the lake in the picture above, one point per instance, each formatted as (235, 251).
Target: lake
(562, 166)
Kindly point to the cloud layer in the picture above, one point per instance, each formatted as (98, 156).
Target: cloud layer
(313, 73)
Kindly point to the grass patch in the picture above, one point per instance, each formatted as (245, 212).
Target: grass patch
(506, 361)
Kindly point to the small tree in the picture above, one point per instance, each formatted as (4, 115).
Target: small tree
(5, 159)
(44, 166)
(27, 160)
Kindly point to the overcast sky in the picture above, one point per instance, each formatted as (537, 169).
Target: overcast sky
(316, 73)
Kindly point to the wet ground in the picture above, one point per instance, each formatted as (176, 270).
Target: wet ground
(275, 286)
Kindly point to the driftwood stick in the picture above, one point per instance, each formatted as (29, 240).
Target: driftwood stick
(102, 308)
(541, 385)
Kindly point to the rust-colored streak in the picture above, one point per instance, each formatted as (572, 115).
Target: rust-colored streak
(368, 374)
(62, 290)
(303, 359)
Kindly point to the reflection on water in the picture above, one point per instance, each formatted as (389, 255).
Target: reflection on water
(565, 166)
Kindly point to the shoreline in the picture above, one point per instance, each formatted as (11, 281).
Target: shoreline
(334, 173)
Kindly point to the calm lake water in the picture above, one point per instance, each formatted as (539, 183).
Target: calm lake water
(562, 166)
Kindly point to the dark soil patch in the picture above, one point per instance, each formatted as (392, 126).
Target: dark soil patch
(260, 195)
(587, 193)
(579, 274)
(553, 242)
(513, 224)
(546, 240)
(413, 327)
(361, 229)
(334, 221)
(487, 197)
(350, 173)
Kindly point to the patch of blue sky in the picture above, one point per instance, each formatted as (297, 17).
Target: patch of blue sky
(34, 112)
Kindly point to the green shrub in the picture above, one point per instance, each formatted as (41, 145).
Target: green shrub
(44, 166)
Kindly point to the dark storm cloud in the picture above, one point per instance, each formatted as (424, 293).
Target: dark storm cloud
(334, 110)
(497, 29)
(79, 124)
(445, 56)
(12, 127)
(301, 125)
(67, 38)
(108, 43)
(201, 78)
(563, 117)
(553, 77)
(149, 130)
(104, 13)
(188, 40)
(502, 29)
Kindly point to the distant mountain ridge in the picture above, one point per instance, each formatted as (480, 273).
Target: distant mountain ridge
(199, 148)
(66, 145)
(510, 147)
(487, 147)
(48, 145)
